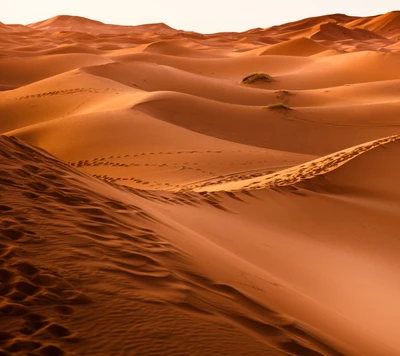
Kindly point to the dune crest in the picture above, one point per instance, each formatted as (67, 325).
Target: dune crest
(297, 47)
(320, 168)
(334, 32)
(65, 22)
(386, 25)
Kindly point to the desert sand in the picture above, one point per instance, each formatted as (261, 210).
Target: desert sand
(172, 193)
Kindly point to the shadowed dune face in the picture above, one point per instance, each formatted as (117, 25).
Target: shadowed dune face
(60, 279)
(171, 193)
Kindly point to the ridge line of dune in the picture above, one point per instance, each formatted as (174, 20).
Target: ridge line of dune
(300, 173)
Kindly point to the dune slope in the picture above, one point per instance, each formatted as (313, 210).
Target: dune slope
(103, 248)
(109, 244)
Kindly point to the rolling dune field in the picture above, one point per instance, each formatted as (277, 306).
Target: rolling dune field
(165, 192)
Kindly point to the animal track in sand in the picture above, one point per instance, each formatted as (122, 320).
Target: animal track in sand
(67, 92)
(5, 208)
(103, 160)
(109, 179)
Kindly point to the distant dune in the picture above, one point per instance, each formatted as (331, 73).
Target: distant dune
(156, 202)
(297, 47)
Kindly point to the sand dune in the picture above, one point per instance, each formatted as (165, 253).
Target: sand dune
(84, 25)
(297, 47)
(386, 25)
(72, 49)
(152, 77)
(70, 23)
(173, 193)
(358, 177)
(333, 32)
(161, 281)
(173, 49)
(308, 172)
(25, 71)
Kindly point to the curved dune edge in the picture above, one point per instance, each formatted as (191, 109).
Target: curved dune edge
(297, 174)
(297, 47)
(53, 301)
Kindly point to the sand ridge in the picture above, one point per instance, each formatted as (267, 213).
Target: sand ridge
(298, 174)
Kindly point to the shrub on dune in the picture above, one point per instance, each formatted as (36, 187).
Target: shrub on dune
(257, 78)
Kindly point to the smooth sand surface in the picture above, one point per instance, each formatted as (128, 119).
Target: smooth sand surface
(153, 202)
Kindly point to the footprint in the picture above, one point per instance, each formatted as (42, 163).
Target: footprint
(49, 176)
(26, 268)
(31, 168)
(51, 350)
(58, 331)
(17, 296)
(38, 186)
(8, 223)
(23, 345)
(26, 288)
(6, 253)
(5, 289)
(5, 337)
(34, 322)
(12, 309)
(12, 234)
(6, 276)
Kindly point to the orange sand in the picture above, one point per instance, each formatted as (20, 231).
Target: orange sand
(179, 211)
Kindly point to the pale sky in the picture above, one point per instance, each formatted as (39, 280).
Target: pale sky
(204, 16)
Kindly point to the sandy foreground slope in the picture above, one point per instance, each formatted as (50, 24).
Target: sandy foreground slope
(151, 203)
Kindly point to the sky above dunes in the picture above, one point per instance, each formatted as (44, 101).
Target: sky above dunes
(205, 16)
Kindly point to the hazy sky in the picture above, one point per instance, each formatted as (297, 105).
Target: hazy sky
(202, 16)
